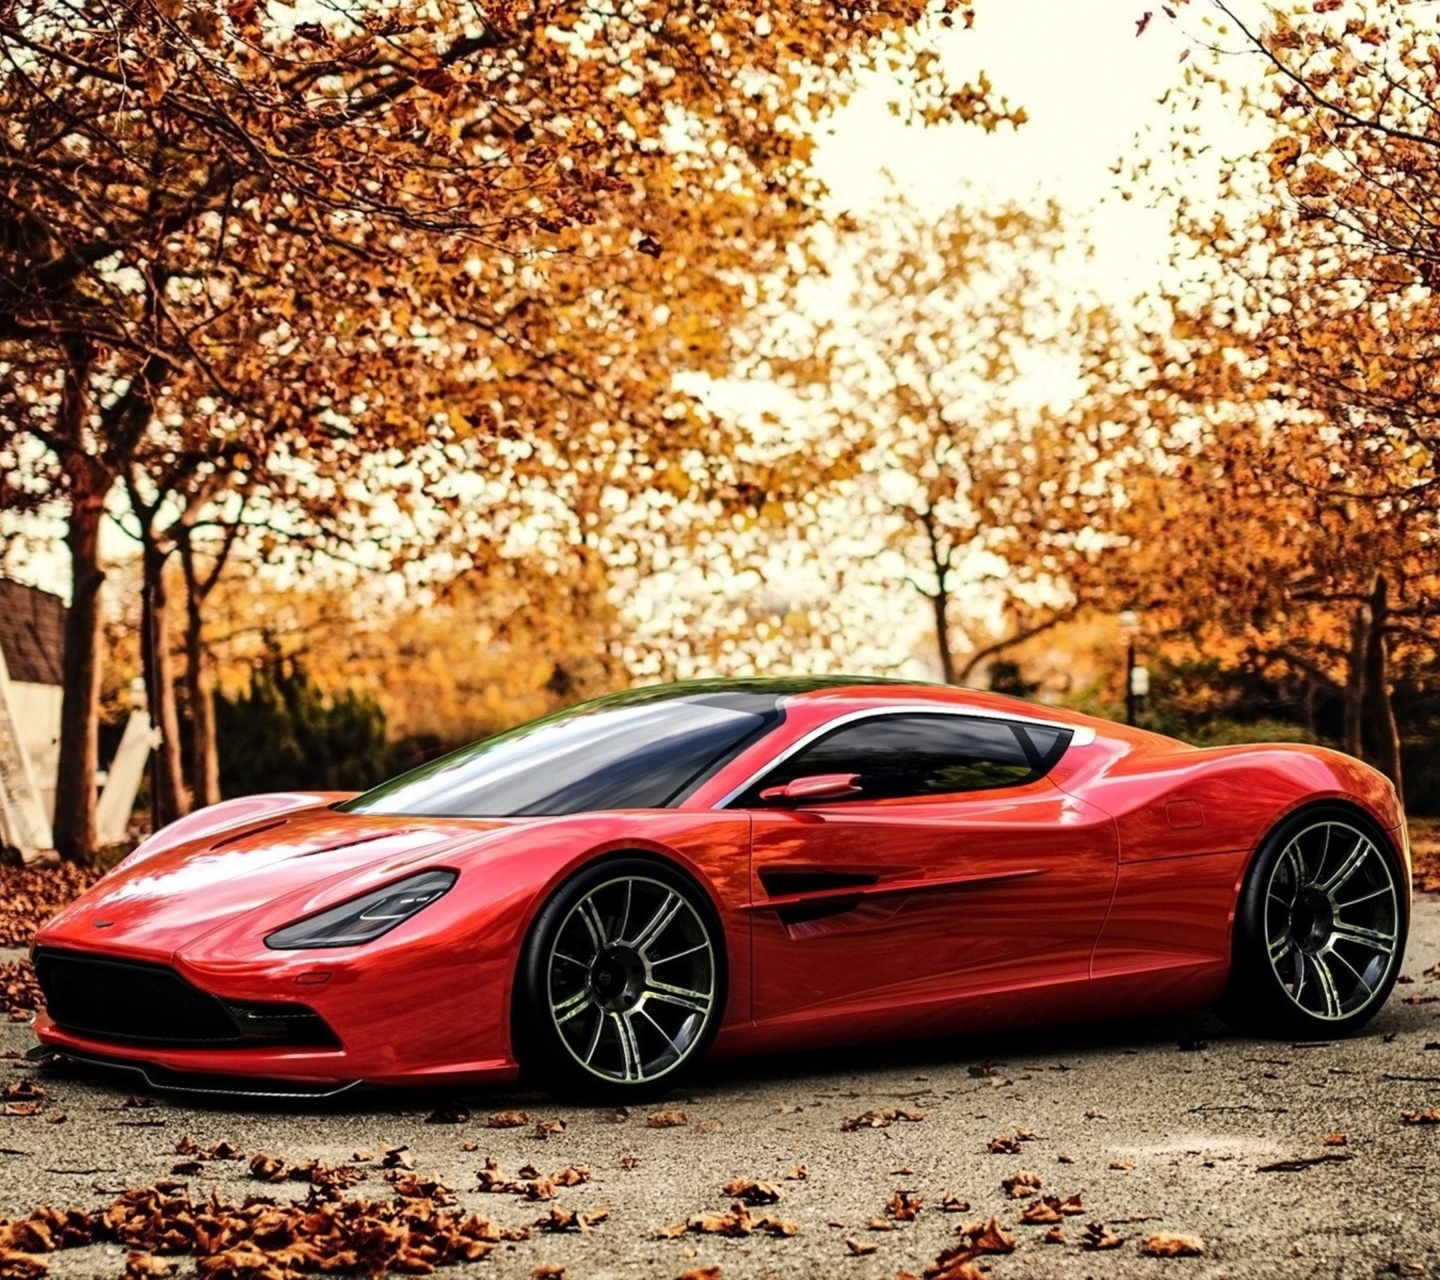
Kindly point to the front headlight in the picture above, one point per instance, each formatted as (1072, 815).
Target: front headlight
(365, 918)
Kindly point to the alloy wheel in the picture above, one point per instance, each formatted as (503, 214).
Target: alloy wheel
(1332, 919)
(631, 979)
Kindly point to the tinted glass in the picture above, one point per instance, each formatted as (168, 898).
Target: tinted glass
(920, 755)
(629, 752)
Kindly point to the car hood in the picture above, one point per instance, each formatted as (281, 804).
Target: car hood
(160, 902)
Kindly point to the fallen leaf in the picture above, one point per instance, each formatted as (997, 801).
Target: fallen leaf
(1042, 1212)
(1421, 1117)
(1172, 1246)
(1122, 1164)
(666, 1120)
(797, 1173)
(881, 1119)
(1022, 1184)
(508, 1120)
(1335, 1140)
(860, 1247)
(751, 1191)
(951, 1203)
(988, 1237)
(904, 1206)
(548, 1271)
(1054, 1236)
(1097, 1236)
(549, 1128)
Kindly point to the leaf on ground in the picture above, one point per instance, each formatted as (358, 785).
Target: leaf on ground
(508, 1119)
(1054, 1236)
(957, 1263)
(882, 1118)
(1042, 1212)
(988, 1237)
(448, 1115)
(399, 1157)
(737, 1222)
(1421, 1117)
(1024, 1183)
(145, 1266)
(629, 1162)
(1122, 1164)
(951, 1203)
(671, 1119)
(879, 1224)
(548, 1271)
(752, 1191)
(562, 1220)
(860, 1247)
(1098, 1236)
(904, 1206)
(1172, 1246)
(797, 1173)
(547, 1129)
(700, 1273)
(572, 1175)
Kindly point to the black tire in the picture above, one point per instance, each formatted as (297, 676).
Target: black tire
(622, 983)
(1320, 927)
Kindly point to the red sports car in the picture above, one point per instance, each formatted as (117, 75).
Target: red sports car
(605, 896)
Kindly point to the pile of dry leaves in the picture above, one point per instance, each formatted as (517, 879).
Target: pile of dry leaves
(259, 1239)
(19, 991)
(30, 896)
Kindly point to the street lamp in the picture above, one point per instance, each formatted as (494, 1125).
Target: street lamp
(1137, 679)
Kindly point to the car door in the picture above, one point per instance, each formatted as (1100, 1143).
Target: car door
(957, 870)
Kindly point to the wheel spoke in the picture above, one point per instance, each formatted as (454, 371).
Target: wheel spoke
(1355, 902)
(1297, 864)
(657, 924)
(1281, 947)
(1352, 863)
(686, 998)
(679, 955)
(594, 1037)
(1359, 977)
(1375, 939)
(645, 1013)
(629, 1047)
(571, 1006)
(1328, 992)
(590, 916)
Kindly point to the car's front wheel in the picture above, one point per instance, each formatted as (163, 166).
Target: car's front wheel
(1320, 928)
(622, 982)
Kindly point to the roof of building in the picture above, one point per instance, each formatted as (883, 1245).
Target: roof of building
(32, 633)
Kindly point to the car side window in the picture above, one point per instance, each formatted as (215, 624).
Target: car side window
(914, 755)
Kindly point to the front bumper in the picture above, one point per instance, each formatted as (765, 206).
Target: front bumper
(423, 1013)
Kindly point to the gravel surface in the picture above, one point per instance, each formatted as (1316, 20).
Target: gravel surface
(1161, 1126)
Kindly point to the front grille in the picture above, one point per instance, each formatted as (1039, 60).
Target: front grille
(131, 1001)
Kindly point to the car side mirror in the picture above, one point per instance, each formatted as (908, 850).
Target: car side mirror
(817, 786)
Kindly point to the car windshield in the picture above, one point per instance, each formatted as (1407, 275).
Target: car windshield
(642, 750)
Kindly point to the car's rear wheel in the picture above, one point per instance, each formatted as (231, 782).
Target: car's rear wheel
(1320, 928)
(622, 982)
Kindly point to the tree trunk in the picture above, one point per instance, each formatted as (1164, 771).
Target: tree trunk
(1354, 694)
(941, 602)
(200, 691)
(1380, 713)
(75, 831)
(168, 801)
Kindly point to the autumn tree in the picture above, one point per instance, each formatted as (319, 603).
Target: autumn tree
(491, 233)
(1294, 396)
(956, 363)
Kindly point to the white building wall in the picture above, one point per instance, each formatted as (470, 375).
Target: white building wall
(37, 713)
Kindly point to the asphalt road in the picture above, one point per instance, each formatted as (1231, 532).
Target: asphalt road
(1161, 1126)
